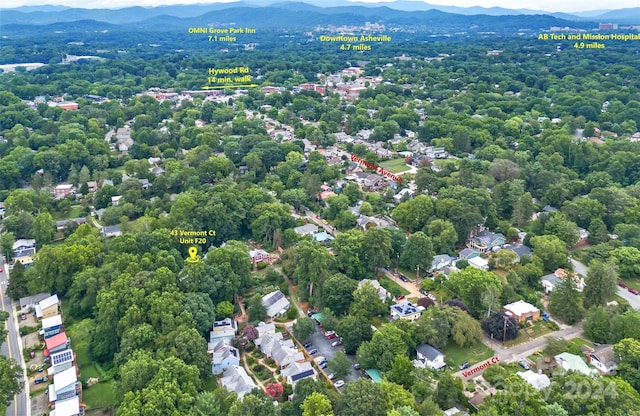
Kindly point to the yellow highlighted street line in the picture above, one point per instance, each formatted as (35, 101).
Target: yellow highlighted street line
(217, 87)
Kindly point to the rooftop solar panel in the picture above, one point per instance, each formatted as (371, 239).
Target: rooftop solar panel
(62, 357)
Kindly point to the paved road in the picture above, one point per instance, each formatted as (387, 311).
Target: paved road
(13, 347)
(520, 351)
(414, 290)
(634, 300)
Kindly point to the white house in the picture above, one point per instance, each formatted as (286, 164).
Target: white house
(47, 307)
(603, 359)
(429, 357)
(406, 310)
(24, 247)
(31, 302)
(550, 281)
(275, 303)
(479, 263)
(307, 229)
(538, 381)
(264, 329)
(440, 261)
(235, 379)
(259, 255)
(522, 311)
(404, 194)
(111, 231)
(67, 407)
(224, 329)
(64, 385)
(51, 326)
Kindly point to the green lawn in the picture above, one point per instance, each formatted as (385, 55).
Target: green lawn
(392, 162)
(456, 355)
(393, 288)
(80, 333)
(573, 346)
(99, 396)
(539, 329)
(394, 165)
(76, 211)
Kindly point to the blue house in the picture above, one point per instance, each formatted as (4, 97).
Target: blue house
(224, 356)
(51, 326)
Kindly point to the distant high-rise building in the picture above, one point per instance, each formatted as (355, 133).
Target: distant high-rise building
(608, 26)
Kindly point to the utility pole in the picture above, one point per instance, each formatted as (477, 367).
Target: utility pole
(504, 331)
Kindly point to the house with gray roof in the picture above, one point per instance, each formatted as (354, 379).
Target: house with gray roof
(519, 249)
(383, 294)
(428, 356)
(440, 261)
(468, 253)
(604, 359)
(297, 371)
(223, 356)
(30, 302)
(276, 304)
(486, 240)
(111, 231)
(236, 380)
(307, 229)
(538, 381)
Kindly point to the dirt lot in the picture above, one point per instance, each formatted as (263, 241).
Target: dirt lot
(40, 403)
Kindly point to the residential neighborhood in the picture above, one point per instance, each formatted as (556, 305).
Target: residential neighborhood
(271, 210)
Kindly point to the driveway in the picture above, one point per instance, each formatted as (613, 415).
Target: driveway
(634, 300)
(410, 286)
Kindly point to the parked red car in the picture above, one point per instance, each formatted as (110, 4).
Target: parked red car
(632, 290)
(622, 285)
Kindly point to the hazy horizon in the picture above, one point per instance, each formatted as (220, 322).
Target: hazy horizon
(551, 6)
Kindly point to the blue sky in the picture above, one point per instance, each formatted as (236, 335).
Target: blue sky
(546, 5)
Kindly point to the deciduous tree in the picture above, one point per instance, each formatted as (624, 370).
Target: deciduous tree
(303, 328)
(417, 252)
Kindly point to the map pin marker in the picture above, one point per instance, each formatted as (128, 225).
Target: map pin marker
(192, 252)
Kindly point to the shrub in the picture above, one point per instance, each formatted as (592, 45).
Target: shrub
(261, 265)
(428, 284)
(292, 313)
(462, 264)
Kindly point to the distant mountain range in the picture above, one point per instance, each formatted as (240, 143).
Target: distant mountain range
(298, 15)
(630, 14)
